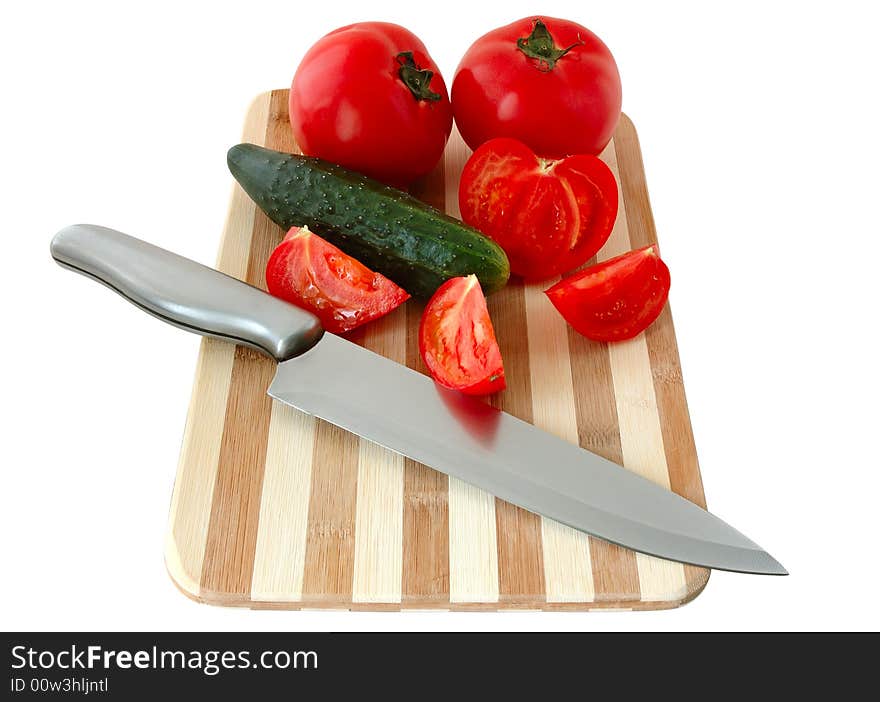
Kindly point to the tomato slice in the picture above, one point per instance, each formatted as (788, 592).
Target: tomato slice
(457, 340)
(312, 273)
(616, 299)
(549, 216)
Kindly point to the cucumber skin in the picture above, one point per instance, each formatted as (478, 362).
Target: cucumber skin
(388, 230)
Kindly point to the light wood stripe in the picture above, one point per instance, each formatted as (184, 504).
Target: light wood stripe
(643, 452)
(235, 244)
(456, 155)
(614, 568)
(197, 467)
(378, 557)
(200, 451)
(520, 549)
(279, 559)
(615, 571)
(425, 491)
(568, 575)
(641, 437)
(473, 552)
(281, 538)
(678, 437)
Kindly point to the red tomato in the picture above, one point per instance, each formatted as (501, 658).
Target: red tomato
(313, 274)
(616, 299)
(548, 216)
(368, 97)
(457, 340)
(548, 82)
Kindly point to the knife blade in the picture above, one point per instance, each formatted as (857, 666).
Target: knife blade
(329, 377)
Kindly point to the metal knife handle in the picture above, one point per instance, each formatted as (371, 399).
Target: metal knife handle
(185, 293)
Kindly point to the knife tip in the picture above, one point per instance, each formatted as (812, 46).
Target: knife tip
(772, 566)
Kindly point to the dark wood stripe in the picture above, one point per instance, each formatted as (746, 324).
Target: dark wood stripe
(329, 559)
(328, 570)
(615, 572)
(425, 506)
(235, 507)
(520, 549)
(678, 437)
(425, 491)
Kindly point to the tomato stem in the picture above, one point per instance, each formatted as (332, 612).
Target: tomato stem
(540, 46)
(418, 80)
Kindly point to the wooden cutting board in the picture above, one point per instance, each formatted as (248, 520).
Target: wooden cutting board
(274, 508)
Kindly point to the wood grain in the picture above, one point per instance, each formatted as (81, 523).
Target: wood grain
(615, 573)
(678, 436)
(520, 544)
(235, 508)
(190, 513)
(279, 560)
(426, 492)
(568, 575)
(473, 538)
(425, 510)
(273, 508)
(641, 437)
(329, 564)
(193, 494)
(378, 559)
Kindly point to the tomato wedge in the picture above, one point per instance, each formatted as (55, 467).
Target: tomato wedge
(616, 299)
(457, 340)
(549, 216)
(312, 273)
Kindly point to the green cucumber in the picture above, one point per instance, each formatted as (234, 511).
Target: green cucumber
(388, 230)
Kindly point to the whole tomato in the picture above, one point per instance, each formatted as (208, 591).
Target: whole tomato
(370, 98)
(548, 82)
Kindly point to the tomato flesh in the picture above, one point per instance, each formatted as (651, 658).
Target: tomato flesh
(350, 104)
(343, 293)
(616, 299)
(549, 216)
(457, 340)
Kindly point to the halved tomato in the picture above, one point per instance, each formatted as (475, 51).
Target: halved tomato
(312, 273)
(616, 299)
(457, 340)
(549, 216)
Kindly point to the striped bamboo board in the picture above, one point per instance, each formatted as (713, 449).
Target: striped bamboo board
(274, 508)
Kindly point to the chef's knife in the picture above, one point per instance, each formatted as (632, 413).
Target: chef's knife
(326, 376)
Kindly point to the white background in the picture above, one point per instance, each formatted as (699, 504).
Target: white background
(758, 124)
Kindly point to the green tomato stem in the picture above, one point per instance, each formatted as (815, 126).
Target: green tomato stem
(418, 80)
(539, 45)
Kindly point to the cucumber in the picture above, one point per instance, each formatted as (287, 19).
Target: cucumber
(388, 230)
